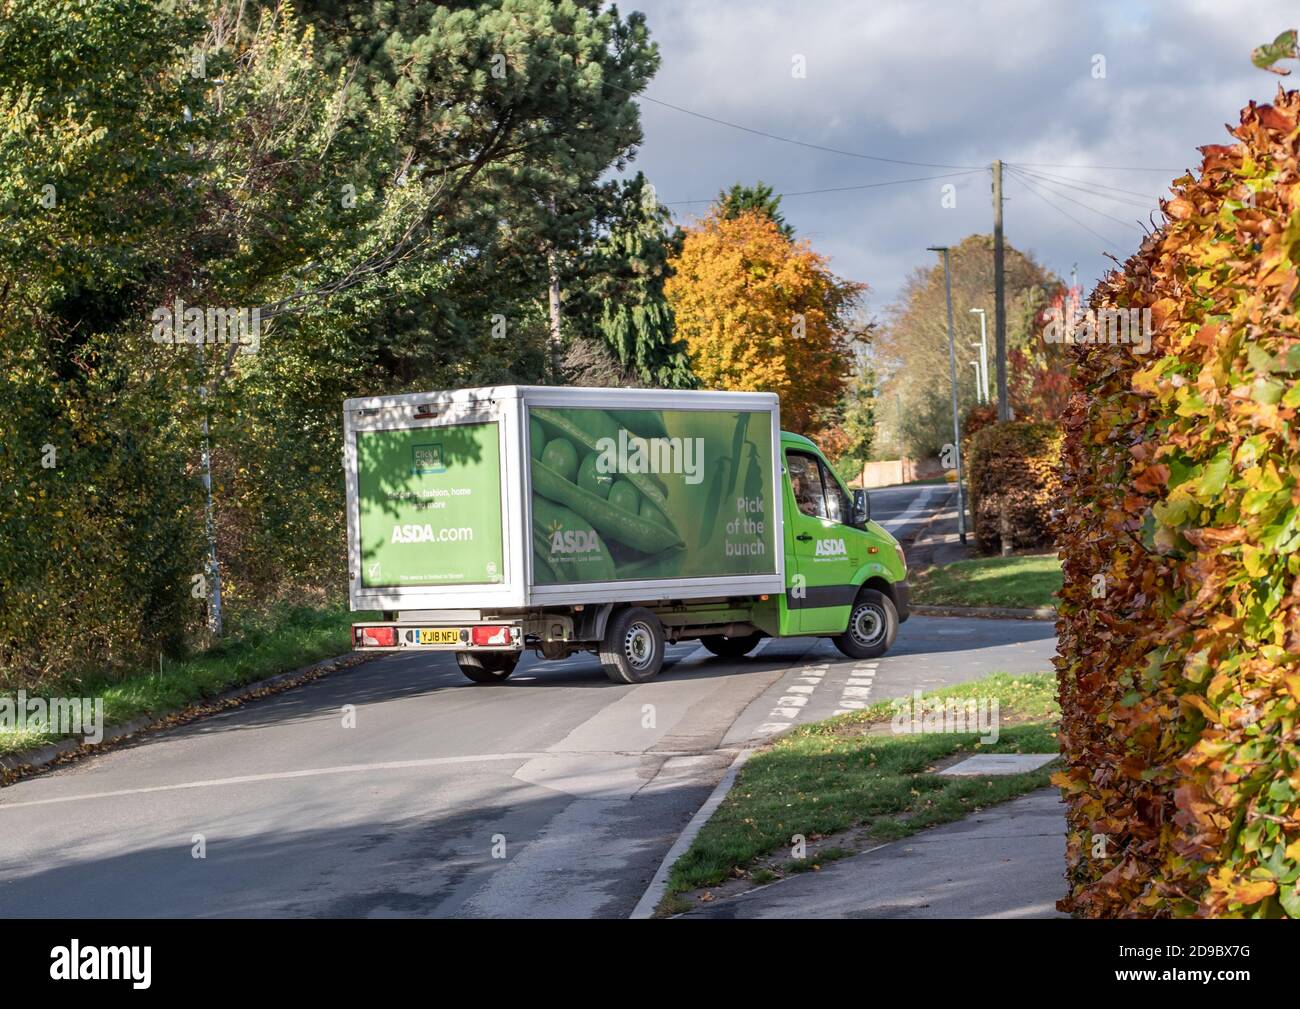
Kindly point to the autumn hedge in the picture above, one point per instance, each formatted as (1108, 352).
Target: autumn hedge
(1014, 465)
(1179, 665)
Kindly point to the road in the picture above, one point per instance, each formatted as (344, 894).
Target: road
(903, 510)
(555, 794)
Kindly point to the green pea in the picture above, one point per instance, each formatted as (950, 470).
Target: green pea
(554, 529)
(620, 525)
(625, 497)
(536, 438)
(590, 479)
(562, 457)
(649, 511)
(587, 428)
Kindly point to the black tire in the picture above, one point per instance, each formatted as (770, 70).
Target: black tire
(633, 649)
(487, 667)
(873, 625)
(731, 648)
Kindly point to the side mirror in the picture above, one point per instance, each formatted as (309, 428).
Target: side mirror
(861, 508)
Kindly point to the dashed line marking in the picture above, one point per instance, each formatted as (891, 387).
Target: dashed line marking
(857, 688)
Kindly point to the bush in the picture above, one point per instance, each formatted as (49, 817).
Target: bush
(1180, 619)
(1014, 464)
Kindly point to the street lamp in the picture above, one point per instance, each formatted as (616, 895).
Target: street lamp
(952, 374)
(984, 351)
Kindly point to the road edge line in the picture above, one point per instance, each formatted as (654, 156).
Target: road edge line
(654, 893)
(21, 764)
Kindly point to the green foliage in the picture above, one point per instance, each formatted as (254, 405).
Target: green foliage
(618, 294)
(739, 198)
(369, 182)
(850, 430)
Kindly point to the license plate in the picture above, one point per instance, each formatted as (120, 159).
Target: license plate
(430, 636)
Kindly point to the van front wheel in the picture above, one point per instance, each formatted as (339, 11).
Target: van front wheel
(873, 625)
(633, 649)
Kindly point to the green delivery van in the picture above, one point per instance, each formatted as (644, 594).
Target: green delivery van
(487, 521)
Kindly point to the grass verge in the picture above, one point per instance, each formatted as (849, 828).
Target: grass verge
(279, 642)
(851, 771)
(1026, 580)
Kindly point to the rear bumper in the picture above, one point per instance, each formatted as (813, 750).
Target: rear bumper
(902, 599)
(494, 636)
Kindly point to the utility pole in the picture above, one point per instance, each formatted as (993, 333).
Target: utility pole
(952, 373)
(984, 353)
(999, 293)
(209, 511)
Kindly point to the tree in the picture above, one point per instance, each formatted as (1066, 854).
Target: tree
(849, 441)
(617, 294)
(739, 198)
(384, 185)
(911, 351)
(759, 312)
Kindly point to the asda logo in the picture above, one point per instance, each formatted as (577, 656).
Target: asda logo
(574, 541)
(831, 548)
(428, 534)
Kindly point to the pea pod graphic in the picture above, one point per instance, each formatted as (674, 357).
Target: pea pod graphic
(543, 573)
(754, 475)
(612, 522)
(721, 477)
(550, 518)
(587, 428)
(658, 566)
(644, 423)
(737, 442)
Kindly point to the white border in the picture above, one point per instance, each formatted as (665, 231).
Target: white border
(508, 405)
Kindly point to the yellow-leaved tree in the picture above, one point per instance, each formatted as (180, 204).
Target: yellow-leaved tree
(760, 312)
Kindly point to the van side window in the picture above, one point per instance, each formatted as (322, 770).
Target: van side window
(838, 504)
(806, 482)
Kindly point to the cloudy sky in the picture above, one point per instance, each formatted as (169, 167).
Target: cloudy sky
(949, 84)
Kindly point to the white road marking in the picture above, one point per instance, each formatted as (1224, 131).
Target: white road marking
(314, 772)
(918, 504)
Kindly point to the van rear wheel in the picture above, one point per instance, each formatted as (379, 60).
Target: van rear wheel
(487, 667)
(731, 648)
(633, 648)
(873, 625)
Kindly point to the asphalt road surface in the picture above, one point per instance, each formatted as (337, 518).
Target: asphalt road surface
(903, 510)
(399, 788)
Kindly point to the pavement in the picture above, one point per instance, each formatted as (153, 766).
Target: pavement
(397, 788)
(1004, 862)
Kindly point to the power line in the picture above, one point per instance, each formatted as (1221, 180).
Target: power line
(846, 189)
(1080, 203)
(1065, 213)
(1098, 168)
(788, 140)
(1128, 201)
(1095, 185)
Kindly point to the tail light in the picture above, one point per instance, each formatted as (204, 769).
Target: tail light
(491, 634)
(374, 637)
